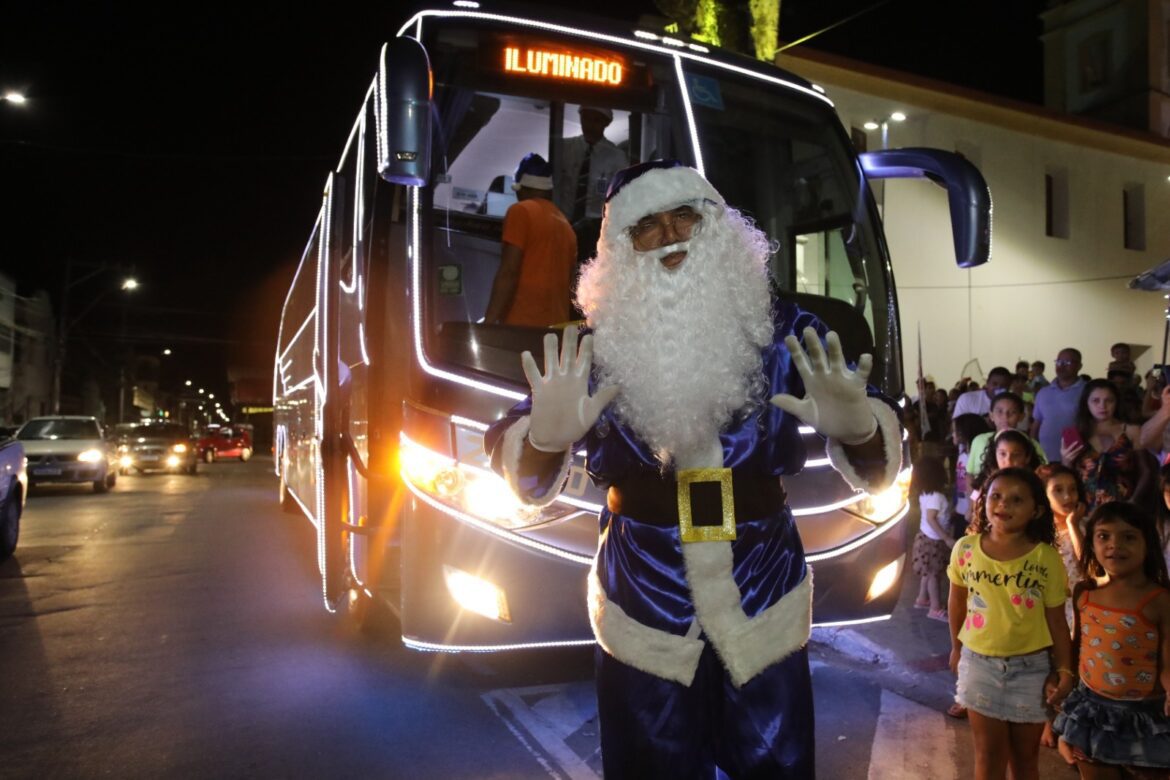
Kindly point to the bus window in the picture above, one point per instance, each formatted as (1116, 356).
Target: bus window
(595, 145)
(487, 135)
(783, 160)
(486, 122)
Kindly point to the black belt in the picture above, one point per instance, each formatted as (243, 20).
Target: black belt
(706, 514)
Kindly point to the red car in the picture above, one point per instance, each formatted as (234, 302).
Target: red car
(225, 441)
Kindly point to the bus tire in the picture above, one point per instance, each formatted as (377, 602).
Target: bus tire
(209, 456)
(371, 615)
(245, 454)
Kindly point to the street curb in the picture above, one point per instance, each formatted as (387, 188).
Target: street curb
(849, 642)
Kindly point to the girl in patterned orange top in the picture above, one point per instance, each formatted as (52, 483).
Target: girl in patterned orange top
(1116, 723)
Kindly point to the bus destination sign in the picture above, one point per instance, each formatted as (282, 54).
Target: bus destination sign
(565, 64)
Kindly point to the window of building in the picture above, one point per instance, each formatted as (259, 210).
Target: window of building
(1056, 203)
(1094, 60)
(1133, 209)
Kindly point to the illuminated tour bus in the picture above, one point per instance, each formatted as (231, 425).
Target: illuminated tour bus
(386, 377)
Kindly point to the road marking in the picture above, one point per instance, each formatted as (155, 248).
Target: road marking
(562, 722)
(911, 742)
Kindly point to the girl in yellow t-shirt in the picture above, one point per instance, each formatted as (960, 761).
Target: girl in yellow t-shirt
(1009, 641)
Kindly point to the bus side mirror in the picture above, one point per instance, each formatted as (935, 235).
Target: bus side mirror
(967, 193)
(404, 113)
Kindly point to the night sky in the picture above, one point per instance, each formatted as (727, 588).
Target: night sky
(191, 146)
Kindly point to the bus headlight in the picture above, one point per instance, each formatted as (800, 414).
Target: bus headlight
(469, 489)
(477, 595)
(885, 577)
(881, 507)
(92, 456)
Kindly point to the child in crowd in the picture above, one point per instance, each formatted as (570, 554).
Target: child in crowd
(1009, 448)
(966, 428)
(1009, 641)
(932, 544)
(1116, 723)
(1066, 497)
(1007, 410)
(1162, 518)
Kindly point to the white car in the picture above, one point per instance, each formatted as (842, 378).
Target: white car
(13, 489)
(68, 449)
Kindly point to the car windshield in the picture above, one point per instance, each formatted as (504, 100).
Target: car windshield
(59, 429)
(153, 431)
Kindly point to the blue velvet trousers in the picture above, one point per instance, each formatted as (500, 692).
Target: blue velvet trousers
(655, 728)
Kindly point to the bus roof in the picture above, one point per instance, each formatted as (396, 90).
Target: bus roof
(619, 32)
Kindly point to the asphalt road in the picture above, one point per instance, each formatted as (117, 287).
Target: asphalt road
(174, 628)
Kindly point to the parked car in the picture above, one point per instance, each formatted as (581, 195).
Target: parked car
(69, 448)
(225, 441)
(155, 446)
(13, 490)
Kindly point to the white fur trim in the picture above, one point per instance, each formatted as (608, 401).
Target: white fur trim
(647, 649)
(745, 645)
(892, 441)
(716, 597)
(513, 444)
(535, 182)
(771, 636)
(658, 189)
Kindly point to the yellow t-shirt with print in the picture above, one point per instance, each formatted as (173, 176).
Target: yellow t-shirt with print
(1006, 599)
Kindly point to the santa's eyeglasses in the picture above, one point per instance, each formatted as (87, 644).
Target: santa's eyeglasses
(649, 230)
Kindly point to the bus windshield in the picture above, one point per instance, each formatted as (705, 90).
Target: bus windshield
(776, 154)
(782, 158)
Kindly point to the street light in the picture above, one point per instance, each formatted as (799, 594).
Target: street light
(65, 324)
(884, 126)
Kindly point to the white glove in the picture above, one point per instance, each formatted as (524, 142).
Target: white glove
(562, 409)
(834, 403)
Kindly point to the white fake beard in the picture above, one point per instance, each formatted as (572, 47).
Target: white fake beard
(683, 344)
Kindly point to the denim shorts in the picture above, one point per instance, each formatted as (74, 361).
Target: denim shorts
(1009, 688)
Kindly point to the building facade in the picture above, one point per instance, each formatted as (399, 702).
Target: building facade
(1077, 207)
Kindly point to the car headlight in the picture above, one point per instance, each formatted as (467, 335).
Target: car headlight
(469, 489)
(880, 507)
(125, 461)
(92, 456)
(179, 448)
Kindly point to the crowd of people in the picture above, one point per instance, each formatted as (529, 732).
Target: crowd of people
(1043, 545)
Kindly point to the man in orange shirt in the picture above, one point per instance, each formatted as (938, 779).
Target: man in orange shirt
(533, 285)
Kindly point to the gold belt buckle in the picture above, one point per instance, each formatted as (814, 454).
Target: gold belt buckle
(688, 531)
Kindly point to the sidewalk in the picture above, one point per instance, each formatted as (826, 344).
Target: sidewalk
(911, 653)
(909, 646)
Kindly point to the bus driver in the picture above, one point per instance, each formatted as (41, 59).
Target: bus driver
(699, 593)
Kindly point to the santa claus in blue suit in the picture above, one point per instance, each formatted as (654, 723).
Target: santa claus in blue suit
(687, 395)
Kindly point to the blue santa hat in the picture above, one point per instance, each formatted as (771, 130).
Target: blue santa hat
(535, 172)
(650, 187)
